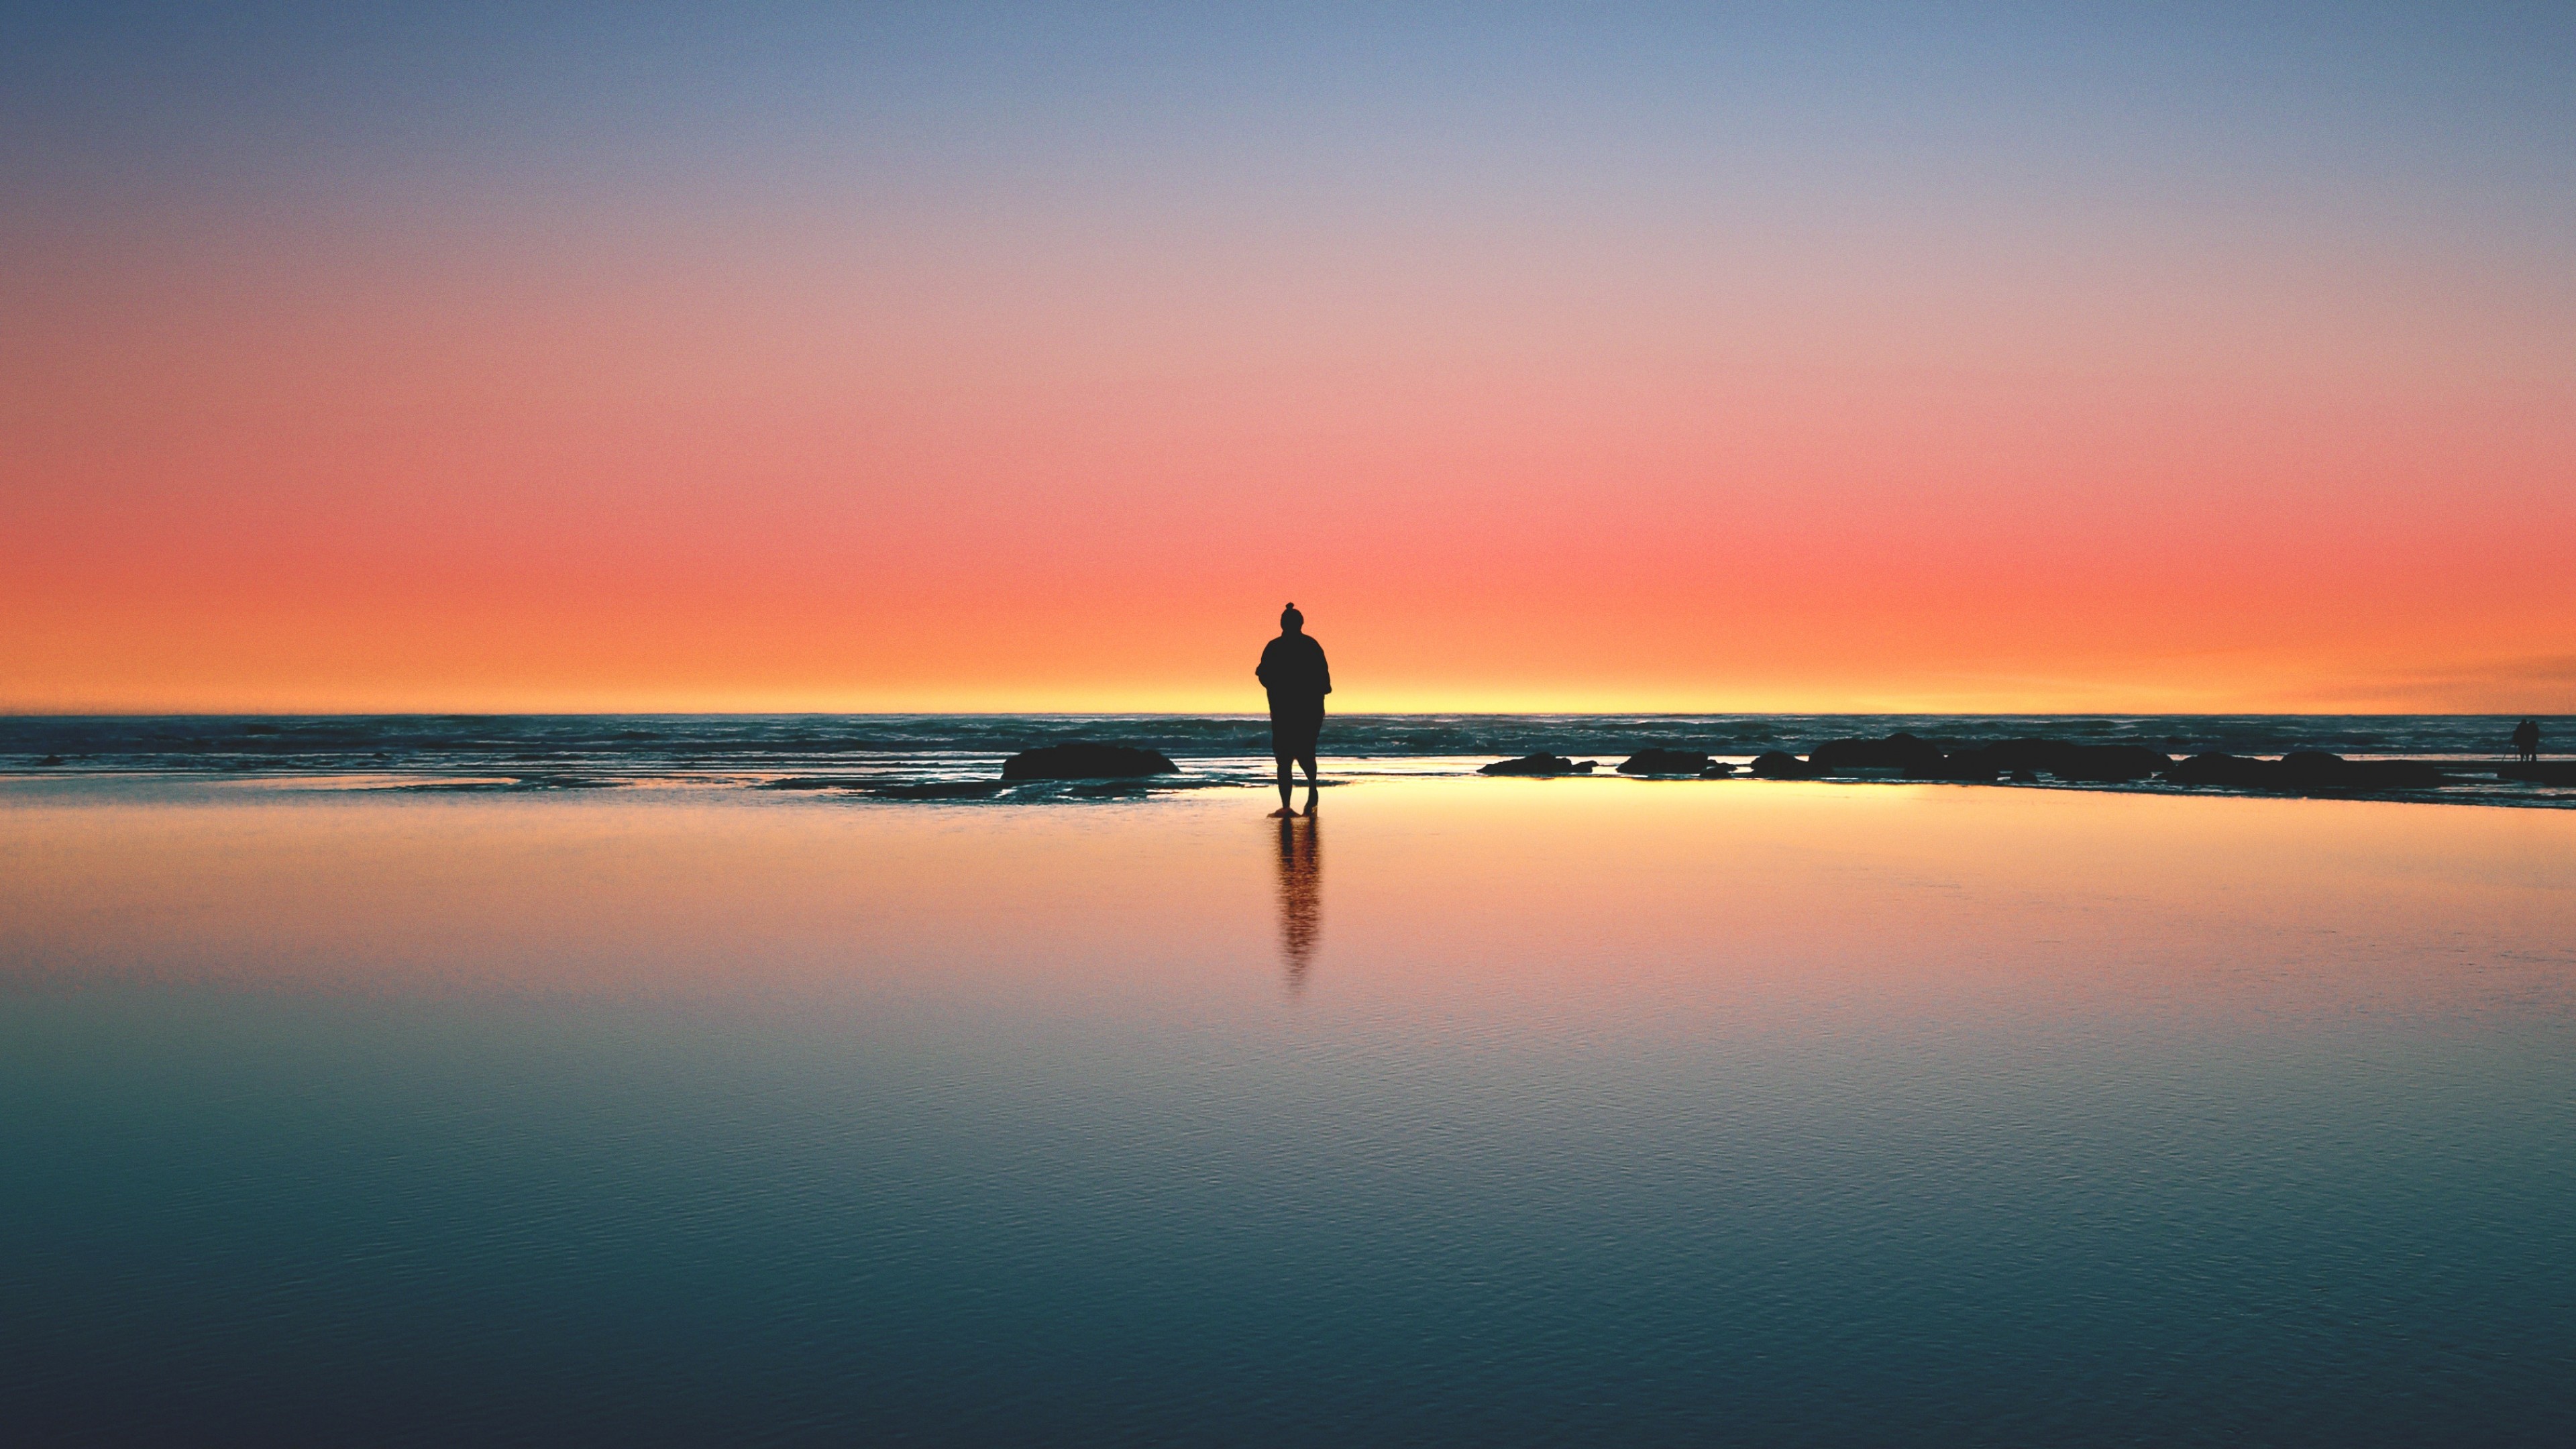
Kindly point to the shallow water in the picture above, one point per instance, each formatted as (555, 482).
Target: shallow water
(1481, 1110)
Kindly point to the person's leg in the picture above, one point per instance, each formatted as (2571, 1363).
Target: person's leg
(1285, 786)
(1308, 760)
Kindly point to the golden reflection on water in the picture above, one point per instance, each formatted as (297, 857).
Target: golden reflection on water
(1301, 894)
(1535, 906)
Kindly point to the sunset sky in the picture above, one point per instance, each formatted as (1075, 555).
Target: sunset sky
(945, 356)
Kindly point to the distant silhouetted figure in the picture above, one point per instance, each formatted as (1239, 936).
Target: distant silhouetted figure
(1293, 670)
(2526, 740)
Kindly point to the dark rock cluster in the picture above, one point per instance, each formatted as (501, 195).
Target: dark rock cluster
(2027, 761)
(1921, 759)
(1083, 761)
(1781, 765)
(1656, 761)
(1896, 752)
(1538, 765)
(2303, 771)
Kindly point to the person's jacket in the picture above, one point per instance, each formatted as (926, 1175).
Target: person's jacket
(1293, 667)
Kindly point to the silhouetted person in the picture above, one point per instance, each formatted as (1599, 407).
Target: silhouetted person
(1301, 893)
(1293, 670)
(2526, 740)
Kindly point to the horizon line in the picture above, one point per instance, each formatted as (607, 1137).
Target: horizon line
(7, 713)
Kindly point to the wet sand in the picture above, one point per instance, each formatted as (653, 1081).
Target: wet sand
(1471, 1108)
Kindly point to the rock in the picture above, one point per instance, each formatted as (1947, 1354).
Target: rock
(2025, 777)
(2104, 764)
(1781, 765)
(1717, 770)
(1537, 765)
(2307, 771)
(2028, 754)
(2231, 771)
(2318, 770)
(2310, 767)
(1664, 762)
(2083, 764)
(1083, 761)
(51, 760)
(1896, 752)
(1973, 766)
(2553, 772)
(2401, 774)
(1922, 760)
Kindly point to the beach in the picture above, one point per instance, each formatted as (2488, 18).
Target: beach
(1516, 1110)
(1040, 725)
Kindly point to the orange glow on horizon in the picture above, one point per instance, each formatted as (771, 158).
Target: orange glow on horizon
(1549, 904)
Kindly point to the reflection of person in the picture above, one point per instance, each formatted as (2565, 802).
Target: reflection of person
(2526, 739)
(1293, 670)
(1301, 892)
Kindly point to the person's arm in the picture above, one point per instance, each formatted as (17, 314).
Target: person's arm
(1261, 671)
(1323, 670)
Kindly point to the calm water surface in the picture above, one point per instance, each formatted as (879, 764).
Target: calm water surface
(1478, 1110)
